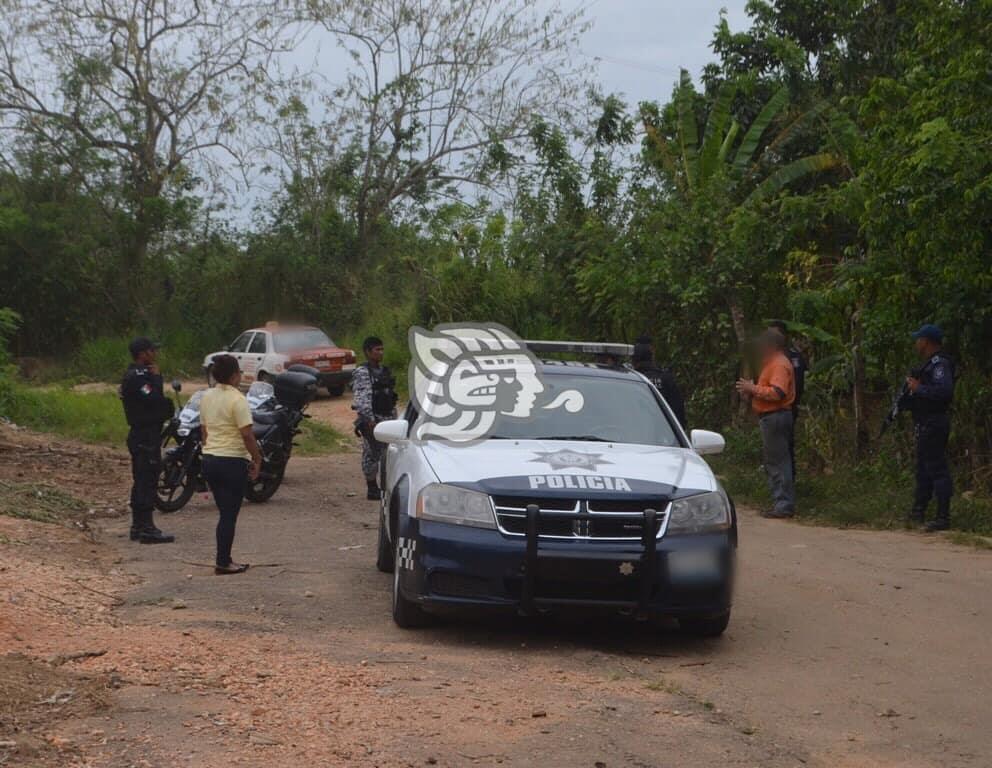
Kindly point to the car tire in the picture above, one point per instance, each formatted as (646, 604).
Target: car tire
(705, 626)
(406, 614)
(384, 557)
(335, 390)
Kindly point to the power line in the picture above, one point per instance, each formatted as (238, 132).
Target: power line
(632, 64)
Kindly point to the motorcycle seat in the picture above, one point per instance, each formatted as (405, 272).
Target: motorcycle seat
(268, 417)
(261, 430)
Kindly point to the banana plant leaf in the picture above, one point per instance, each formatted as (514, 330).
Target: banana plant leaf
(797, 169)
(772, 107)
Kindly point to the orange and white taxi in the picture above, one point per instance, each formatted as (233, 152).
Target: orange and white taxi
(267, 351)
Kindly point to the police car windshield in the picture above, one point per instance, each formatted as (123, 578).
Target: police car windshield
(613, 410)
(290, 341)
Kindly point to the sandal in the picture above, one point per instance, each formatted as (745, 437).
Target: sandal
(231, 568)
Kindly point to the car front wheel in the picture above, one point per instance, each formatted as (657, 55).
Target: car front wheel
(384, 556)
(406, 613)
(705, 626)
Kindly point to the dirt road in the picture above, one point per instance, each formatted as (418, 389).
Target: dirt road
(846, 648)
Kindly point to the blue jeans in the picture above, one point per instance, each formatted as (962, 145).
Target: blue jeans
(228, 479)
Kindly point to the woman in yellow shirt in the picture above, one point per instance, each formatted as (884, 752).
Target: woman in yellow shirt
(230, 454)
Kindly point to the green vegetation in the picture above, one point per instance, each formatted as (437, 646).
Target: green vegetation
(832, 167)
(96, 417)
(37, 501)
(869, 494)
(93, 417)
(316, 439)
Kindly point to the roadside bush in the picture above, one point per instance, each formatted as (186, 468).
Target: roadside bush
(95, 417)
(101, 359)
(106, 357)
(9, 320)
(872, 493)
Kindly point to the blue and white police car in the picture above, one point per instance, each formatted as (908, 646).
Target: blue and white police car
(608, 507)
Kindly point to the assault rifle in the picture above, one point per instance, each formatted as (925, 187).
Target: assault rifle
(896, 408)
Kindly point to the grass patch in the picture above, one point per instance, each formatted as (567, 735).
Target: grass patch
(317, 439)
(664, 685)
(38, 502)
(966, 539)
(871, 494)
(95, 417)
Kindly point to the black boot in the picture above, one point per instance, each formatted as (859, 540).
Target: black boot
(943, 519)
(154, 536)
(917, 516)
(373, 491)
(137, 523)
(148, 533)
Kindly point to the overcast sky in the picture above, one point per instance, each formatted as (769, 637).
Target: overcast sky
(641, 44)
(635, 46)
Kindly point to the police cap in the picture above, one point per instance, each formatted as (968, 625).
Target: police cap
(931, 332)
(141, 344)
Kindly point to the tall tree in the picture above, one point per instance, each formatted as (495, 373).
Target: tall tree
(441, 90)
(721, 177)
(147, 85)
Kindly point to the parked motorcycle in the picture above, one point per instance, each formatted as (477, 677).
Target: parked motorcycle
(277, 421)
(277, 412)
(182, 443)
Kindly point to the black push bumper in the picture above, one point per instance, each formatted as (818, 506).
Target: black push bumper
(457, 567)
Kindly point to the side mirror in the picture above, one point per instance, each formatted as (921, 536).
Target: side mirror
(177, 386)
(392, 431)
(705, 442)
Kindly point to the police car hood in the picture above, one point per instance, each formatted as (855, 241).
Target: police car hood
(570, 468)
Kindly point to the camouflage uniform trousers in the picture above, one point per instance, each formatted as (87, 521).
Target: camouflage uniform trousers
(372, 451)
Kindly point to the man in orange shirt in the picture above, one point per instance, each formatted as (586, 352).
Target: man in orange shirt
(772, 398)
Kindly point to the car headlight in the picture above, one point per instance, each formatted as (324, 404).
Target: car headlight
(702, 513)
(450, 504)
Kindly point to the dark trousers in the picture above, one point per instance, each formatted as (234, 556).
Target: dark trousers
(227, 478)
(792, 442)
(933, 474)
(776, 431)
(146, 463)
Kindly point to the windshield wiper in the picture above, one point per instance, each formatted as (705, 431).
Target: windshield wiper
(588, 438)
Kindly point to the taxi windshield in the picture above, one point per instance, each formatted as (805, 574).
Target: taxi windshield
(304, 338)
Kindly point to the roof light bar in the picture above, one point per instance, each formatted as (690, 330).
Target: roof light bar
(582, 347)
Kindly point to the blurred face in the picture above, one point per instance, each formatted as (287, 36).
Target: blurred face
(148, 357)
(375, 354)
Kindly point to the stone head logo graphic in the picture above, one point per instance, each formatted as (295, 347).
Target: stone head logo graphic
(464, 376)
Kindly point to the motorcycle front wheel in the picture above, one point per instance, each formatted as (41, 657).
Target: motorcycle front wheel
(176, 484)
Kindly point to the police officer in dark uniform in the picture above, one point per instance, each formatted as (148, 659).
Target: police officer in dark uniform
(145, 407)
(662, 378)
(928, 394)
(799, 368)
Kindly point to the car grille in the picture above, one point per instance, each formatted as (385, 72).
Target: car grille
(609, 519)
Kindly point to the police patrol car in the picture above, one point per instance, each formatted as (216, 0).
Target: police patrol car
(608, 507)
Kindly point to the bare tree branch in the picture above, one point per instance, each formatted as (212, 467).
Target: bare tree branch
(436, 84)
